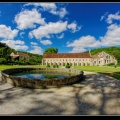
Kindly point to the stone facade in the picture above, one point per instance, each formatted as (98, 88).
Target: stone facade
(78, 59)
(19, 56)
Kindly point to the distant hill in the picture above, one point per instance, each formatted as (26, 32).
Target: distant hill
(115, 51)
(5, 51)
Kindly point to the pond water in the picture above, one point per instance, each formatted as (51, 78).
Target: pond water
(42, 75)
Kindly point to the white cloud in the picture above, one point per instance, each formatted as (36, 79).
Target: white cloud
(46, 42)
(67, 42)
(33, 43)
(104, 16)
(51, 8)
(84, 42)
(36, 50)
(28, 18)
(7, 32)
(77, 50)
(112, 36)
(46, 6)
(50, 28)
(112, 17)
(62, 12)
(16, 44)
(73, 26)
(21, 34)
(61, 36)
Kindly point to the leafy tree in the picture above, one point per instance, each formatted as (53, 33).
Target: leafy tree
(2, 60)
(50, 50)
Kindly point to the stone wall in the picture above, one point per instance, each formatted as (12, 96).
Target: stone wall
(37, 83)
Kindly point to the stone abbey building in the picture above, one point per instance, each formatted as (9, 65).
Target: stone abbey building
(18, 56)
(78, 59)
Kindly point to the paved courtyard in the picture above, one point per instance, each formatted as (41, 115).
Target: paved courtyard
(98, 94)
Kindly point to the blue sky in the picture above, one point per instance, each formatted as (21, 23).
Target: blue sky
(70, 27)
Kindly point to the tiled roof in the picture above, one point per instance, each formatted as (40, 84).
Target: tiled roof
(22, 54)
(67, 55)
(18, 54)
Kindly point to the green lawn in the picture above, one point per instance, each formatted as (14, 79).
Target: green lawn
(101, 69)
(2, 67)
(111, 71)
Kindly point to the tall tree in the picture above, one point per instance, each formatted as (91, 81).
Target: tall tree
(50, 50)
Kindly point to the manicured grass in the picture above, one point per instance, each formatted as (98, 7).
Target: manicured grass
(111, 71)
(3, 67)
(100, 69)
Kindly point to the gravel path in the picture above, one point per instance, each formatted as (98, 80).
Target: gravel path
(98, 94)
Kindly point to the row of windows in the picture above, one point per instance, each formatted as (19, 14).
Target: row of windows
(67, 60)
(107, 57)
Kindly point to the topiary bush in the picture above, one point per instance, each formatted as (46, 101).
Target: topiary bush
(54, 66)
(67, 66)
(57, 66)
(48, 65)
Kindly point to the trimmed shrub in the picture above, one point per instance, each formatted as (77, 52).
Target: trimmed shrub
(48, 65)
(110, 64)
(67, 66)
(54, 66)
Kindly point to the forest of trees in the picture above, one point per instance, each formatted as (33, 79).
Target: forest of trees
(5, 51)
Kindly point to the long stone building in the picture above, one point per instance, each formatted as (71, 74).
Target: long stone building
(78, 59)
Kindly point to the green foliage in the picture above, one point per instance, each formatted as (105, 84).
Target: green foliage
(55, 66)
(50, 50)
(34, 59)
(2, 60)
(111, 64)
(5, 52)
(67, 66)
(115, 75)
(50, 76)
(48, 65)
